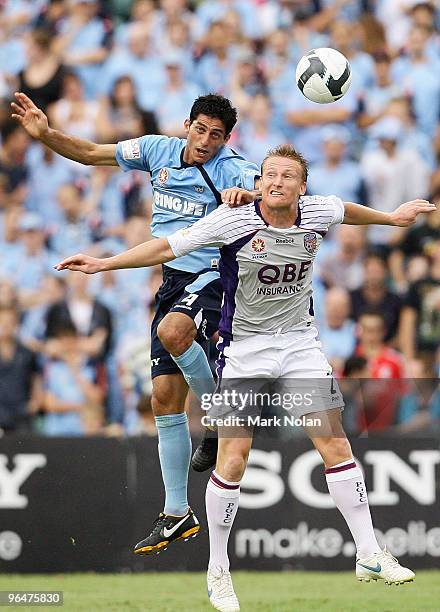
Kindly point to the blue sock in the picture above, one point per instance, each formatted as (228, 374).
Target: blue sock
(174, 456)
(195, 368)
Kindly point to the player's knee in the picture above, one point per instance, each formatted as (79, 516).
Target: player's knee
(175, 337)
(162, 404)
(233, 466)
(336, 450)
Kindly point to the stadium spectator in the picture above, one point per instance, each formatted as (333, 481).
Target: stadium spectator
(42, 77)
(394, 14)
(383, 361)
(135, 60)
(411, 137)
(337, 333)
(90, 319)
(28, 264)
(374, 295)
(71, 395)
(418, 74)
(381, 398)
(346, 37)
(336, 173)
(83, 42)
(419, 408)
(246, 83)
(20, 377)
(73, 112)
(420, 321)
(33, 321)
(14, 147)
(120, 116)
(351, 385)
(176, 97)
(51, 16)
(421, 239)
(217, 62)
(47, 172)
(73, 229)
(256, 133)
(279, 72)
(392, 174)
(374, 100)
(344, 267)
(424, 14)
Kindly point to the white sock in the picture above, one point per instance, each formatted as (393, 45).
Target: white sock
(221, 507)
(346, 485)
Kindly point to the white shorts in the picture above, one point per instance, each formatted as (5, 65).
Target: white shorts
(292, 363)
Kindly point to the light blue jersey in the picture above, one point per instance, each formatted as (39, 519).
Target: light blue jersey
(183, 194)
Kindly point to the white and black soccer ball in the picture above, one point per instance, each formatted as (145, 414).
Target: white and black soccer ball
(323, 75)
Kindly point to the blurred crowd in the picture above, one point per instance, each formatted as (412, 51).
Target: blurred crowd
(74, 350)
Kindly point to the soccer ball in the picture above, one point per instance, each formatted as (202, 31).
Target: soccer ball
(323, 75)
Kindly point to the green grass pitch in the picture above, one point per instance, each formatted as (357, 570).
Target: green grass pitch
(257, 591)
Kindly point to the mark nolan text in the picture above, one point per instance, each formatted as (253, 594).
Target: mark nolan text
(259, 421)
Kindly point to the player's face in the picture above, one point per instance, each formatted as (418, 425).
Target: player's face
(282, 182)
(205, 136)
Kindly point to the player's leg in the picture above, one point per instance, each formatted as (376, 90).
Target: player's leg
(307, 369)
(346, 485)
(177, 333)
(222, 499)
(200, 304)
(177, 521)
(195, 316)
(168, 402)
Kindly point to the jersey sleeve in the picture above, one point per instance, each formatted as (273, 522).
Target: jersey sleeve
(140, 153)
(240, 173)
(223, 226)
(338, 209)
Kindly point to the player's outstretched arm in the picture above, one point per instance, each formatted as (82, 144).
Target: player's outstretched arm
(35, 122)
(404, 216)
(151, 253)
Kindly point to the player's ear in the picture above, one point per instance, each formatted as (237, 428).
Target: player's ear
(303, 189)
(186, 125)
(227, 137)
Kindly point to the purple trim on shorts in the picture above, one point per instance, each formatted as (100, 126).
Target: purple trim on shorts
(228, 269)
(341, 468)
(222, 485)
(221, 361)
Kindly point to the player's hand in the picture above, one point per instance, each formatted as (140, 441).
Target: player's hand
(406, 214)
(81, 263)
(235, 196)
(29, 116)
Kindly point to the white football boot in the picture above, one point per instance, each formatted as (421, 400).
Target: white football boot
(383, 566)
(220, 590)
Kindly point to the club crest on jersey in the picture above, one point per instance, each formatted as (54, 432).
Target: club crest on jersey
(163, 176)
(199, 188)
(258, 245)
(310, 243)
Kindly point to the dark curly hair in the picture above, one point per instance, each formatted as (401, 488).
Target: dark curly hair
(215, 106)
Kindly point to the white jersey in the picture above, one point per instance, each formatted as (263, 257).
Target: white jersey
(266, 271)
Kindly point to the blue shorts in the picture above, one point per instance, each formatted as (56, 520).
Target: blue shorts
(198, 295)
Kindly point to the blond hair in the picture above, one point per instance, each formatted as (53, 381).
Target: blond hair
(286, 150)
